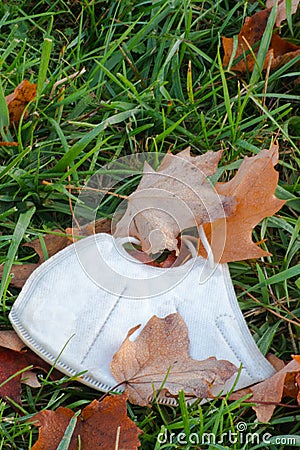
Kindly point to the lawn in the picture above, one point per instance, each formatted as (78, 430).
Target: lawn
(117, 78)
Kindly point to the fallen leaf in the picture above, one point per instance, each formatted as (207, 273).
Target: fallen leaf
(20, 273)
(102, 424)
(53, 243)
(175, 197)
(280, 51)
(281, 13)
(149, 261)
(276, 362)
(9, 144)
(19, 99)
(11, 362)
(267, 394)
(297, 382)
(10, 339)
(99, 226)
(30, 379)
(253, 188)
(159, 359)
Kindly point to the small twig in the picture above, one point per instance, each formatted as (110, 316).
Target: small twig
(270, 309)
(118, 437)
(295, 349)
(267, 79)
(78, 188)
(63, 80)
(132, 66)
(70, 202)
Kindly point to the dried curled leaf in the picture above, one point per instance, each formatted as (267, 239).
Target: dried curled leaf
(279, 52)
(10, 339)
(253, 188)
(159, 358)
(19, 99)
(102, 424)
(175, 197)
(281, 13)
(271, 391)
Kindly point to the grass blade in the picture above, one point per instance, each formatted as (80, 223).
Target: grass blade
(4, 114)
(65, 442)
(20, 230)
(264, 46)
(45, 58)
(79, 146)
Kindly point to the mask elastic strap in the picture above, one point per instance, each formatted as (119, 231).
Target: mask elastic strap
(206, 245)
(187, 241)
(125, 240)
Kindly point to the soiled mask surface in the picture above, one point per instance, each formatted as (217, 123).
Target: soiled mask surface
(80, 304)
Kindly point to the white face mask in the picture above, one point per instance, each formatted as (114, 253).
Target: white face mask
(80, 304)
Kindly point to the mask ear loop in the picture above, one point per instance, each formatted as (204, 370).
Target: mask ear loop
(187, 241)
(206, 245)
(125, 240)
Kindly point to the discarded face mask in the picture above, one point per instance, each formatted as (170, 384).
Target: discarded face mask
(76, 309)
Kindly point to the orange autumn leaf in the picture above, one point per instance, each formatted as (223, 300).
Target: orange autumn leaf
(102, 424)
(8, 144)
(253, 188)
(280, 51)
(19, 99)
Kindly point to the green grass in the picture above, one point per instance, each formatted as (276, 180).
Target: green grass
(146, 76)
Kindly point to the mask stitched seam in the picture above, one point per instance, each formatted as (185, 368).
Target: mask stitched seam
(102, 327)
(230, 345)
(263, 362)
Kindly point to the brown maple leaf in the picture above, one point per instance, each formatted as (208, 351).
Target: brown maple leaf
(279, 52)
(12, 362)
(19, 99)
(253, 188)
(267, 394)
(159, 359)
(175, 197)
(102, 424)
